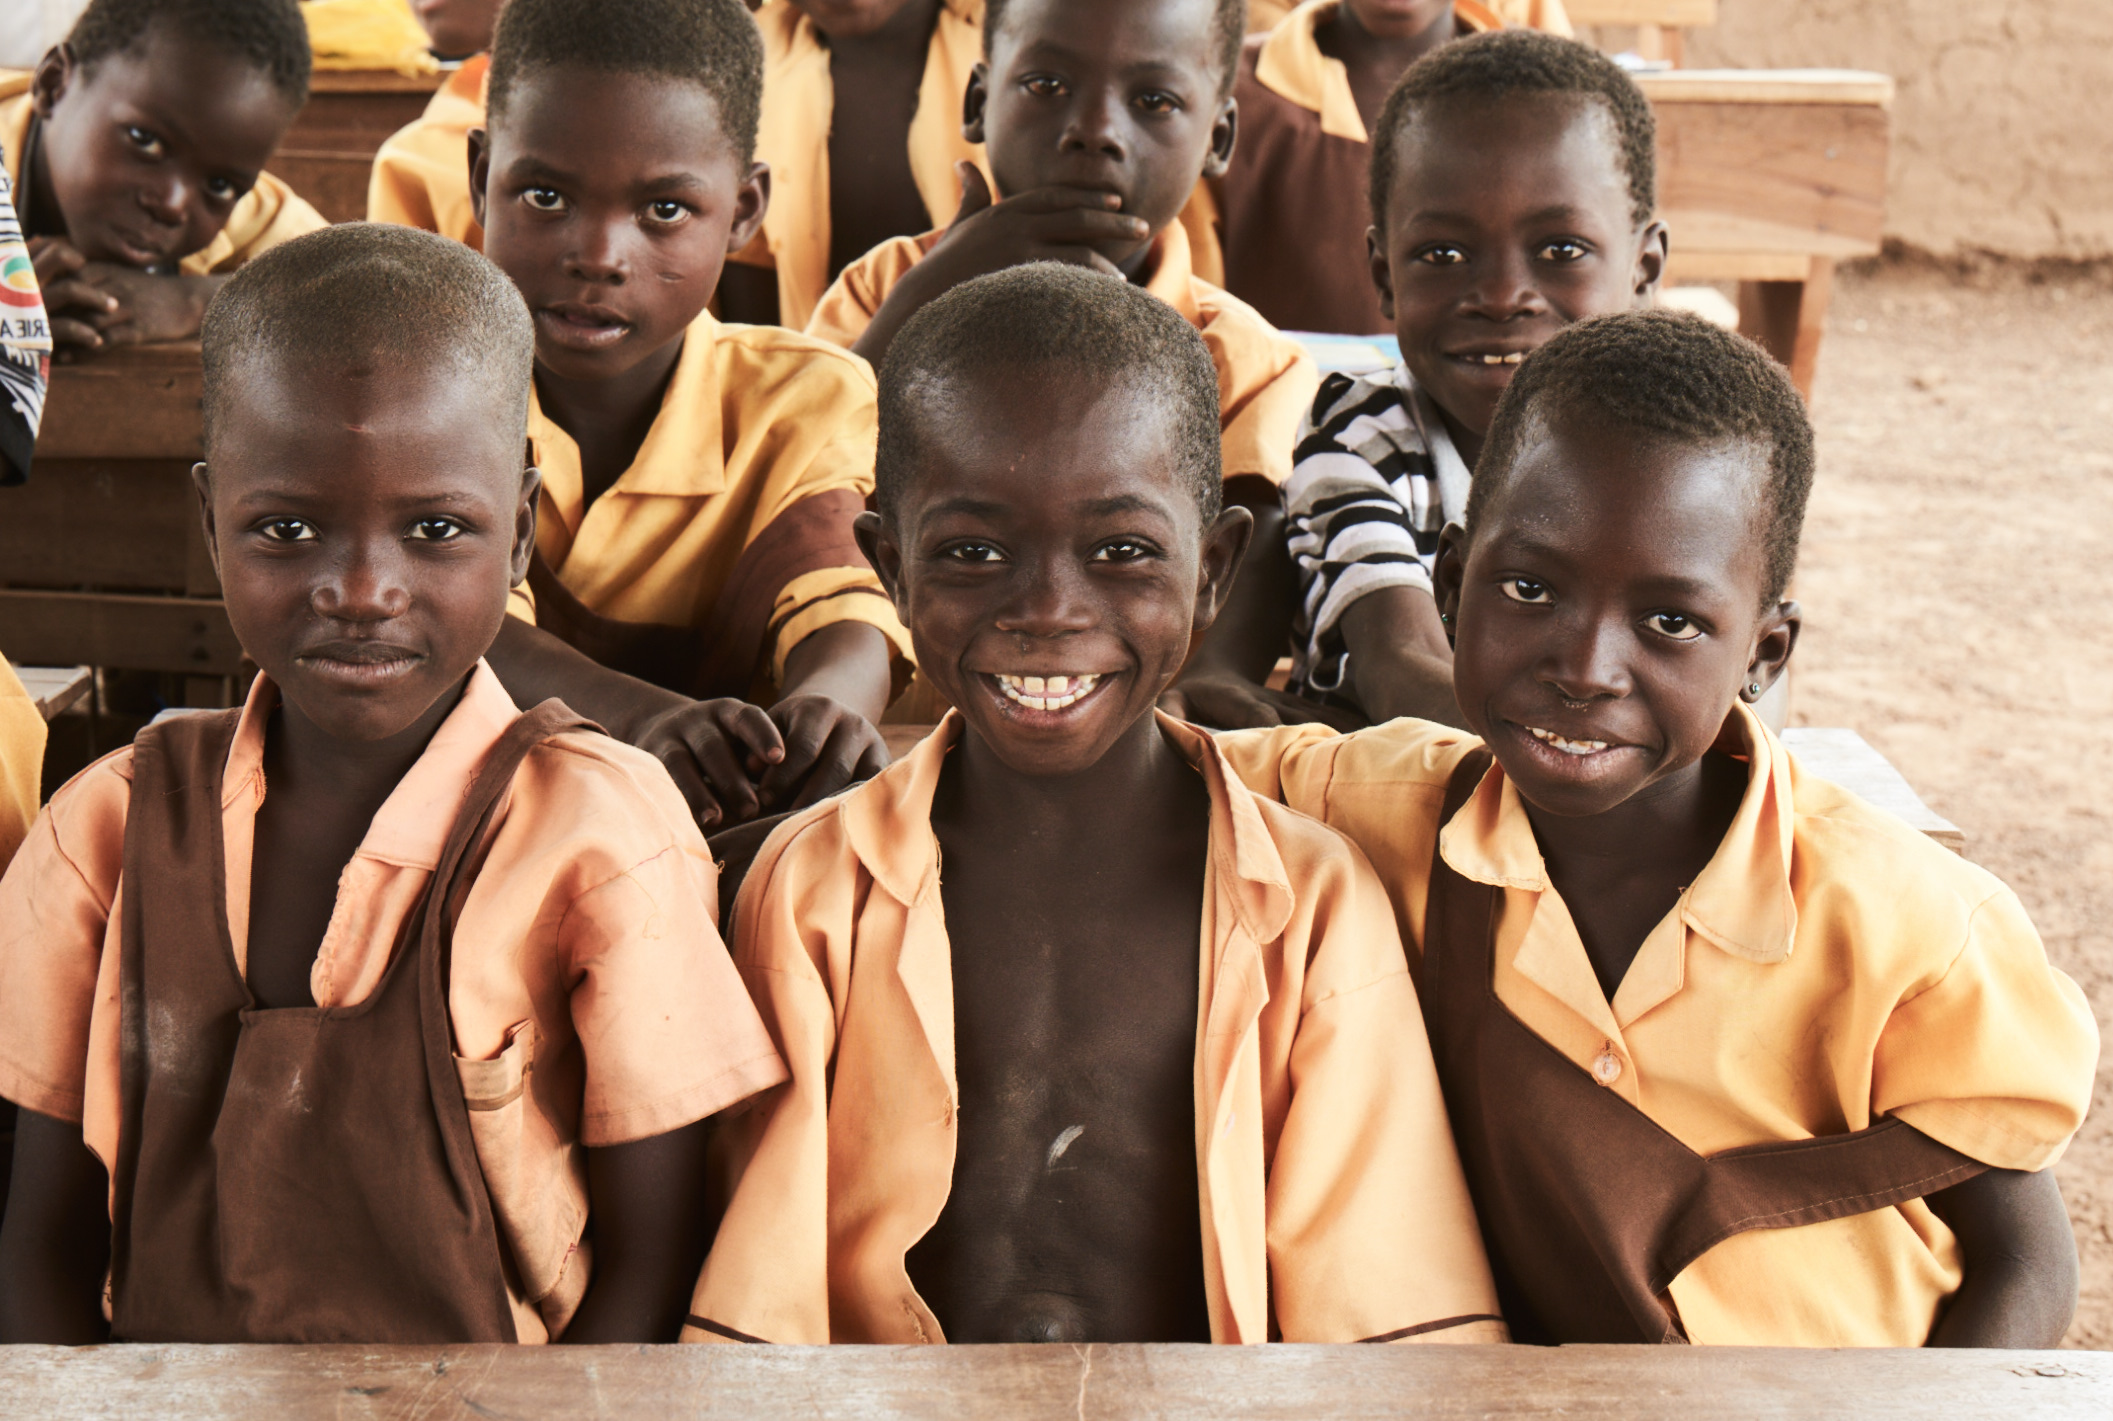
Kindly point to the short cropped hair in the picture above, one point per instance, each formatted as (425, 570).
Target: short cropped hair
(1671, 375)
(711, 43)
(340, 296)
(1492, 67)
(270, 35)
(1228, 29)
(1049, 317)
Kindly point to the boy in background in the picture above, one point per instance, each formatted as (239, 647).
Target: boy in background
(421, 171)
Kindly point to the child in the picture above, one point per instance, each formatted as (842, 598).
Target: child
(1732, 1056)
(421, 172)
(25, 358)
(1019, 1113)
(1512, 193)
(1292, 202)
(488, 1135)
(137, 151)
(699, 480)
(1100, 116)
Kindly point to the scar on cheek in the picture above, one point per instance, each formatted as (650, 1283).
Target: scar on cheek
(1063, 1143)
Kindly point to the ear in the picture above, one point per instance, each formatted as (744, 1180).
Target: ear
(877, 541)
(480, 170)
(1224, 550)
(1651, 252)
(1382, 269)
(1225, 132)
(1448, 577)
(55, 71)
(202, 483)
(973, 101)
(525, 523)
(751, 202)
(1776, 638)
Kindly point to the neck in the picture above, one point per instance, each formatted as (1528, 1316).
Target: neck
(1680, 819)
(1467, 443)
(610, 417)
(303, 758)
(1138, 267)
(1380, 49)
(1121, 796)
(909, 28)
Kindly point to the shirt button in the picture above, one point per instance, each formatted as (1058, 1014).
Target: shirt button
(1606, 1067)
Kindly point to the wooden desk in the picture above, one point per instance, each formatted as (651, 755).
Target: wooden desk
(327, 154)
(54, 688)
(1057, 1382)
(1768, 177)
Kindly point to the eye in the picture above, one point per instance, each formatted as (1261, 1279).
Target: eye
(1158, 101)
(1563, 249)
(436, 530)
(1443, 254)
(144, 140)
(1124, 550)
(288, 530)
(223, 189)
(1673, 625)
(667, 212)
(1043, 86)
(1525, 589)
(972, 552)
(544, 199)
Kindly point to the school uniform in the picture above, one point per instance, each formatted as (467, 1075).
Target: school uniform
(421, 174)
(1292, 208)
(403, 1163)
(1332, 1206)
(1265, 380)
(25, 347)
(1836, 1007)
(268, 214)
(799, 108)
(21, 761)
(728, 541)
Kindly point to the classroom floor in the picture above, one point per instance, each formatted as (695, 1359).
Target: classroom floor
(1961, 521)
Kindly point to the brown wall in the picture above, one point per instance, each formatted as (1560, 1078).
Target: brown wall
(2003, 128)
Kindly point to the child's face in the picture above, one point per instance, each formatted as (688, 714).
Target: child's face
(1116, 95)
(366, 526)
(1506, 223)
(1050, 534)
(149, 150)
(612, 200)
(1611, 597)
(458, 28)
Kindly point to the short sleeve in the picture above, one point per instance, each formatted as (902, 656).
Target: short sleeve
(852, 300)
(1266, 381)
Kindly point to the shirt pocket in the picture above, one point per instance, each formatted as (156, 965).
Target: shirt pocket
(537, 1179)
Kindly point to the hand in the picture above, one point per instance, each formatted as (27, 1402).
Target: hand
(1226, 700)
(828, 745)
(709, 748)
(78, 310)
(1063, 224)
(149, 307)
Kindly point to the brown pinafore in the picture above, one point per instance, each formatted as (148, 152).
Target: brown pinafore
(301, 1174)
(1589, 1208)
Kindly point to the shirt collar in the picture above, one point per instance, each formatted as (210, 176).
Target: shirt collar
(1291, 64)
(1171, 273)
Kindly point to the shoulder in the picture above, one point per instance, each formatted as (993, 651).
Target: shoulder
(1403, 752)
(1228, 317)
(1343, 400)
(587, 799)
(86, 819)
(773, 357)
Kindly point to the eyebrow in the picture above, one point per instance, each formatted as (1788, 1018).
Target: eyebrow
(1056, 50)
(1669, 582)
(1558, 212)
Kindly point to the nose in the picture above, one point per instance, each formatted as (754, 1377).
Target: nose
(1095, 125)
(166, 198)
(1048, 600)
(1590, 662)
(365, 585)
(600, 256)
(1504, 289)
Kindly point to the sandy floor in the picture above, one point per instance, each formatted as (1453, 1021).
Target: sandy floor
(1965, 497)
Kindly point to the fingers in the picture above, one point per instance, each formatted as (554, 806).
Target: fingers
(53, 258)
(689, 783)
(852, 744)
(975, 192)
(70, 293)
(65, 331)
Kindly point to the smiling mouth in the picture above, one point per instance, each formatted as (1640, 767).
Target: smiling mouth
(1565, 744)
(1046, 693)
(1486, 359)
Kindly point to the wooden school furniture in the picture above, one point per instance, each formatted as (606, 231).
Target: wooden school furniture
(54, 688)
(327, 154)
(1660, 24)
(1052, 1381)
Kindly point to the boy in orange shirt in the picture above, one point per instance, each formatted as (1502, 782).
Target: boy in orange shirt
(376, 1011)
(1192, 1105)
(699, 480)
(421, 171)
(137, 150)
(1732, 1057)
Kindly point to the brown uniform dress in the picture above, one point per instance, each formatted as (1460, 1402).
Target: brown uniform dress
(298, 1174)
(1588, 1207)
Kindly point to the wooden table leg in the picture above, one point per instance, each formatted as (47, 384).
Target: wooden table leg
(1788, 318)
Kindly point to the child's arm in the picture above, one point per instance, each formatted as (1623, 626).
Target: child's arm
(1399, 661)
(650, 1237)
(1045, 224)
(837, 683)
(2020, 1287)
(106, 304)
(55, 1242)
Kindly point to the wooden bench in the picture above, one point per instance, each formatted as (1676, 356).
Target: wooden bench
(1061, 1383)
(54, 688)
(327, 154)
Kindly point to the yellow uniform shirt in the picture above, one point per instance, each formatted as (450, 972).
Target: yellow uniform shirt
(1829, 966)
(21, 761)
(265, 216)
(1333, 1205)
(421, 174)
(1266, 381)
(755, 419)
(799, 106)
(1546, 15)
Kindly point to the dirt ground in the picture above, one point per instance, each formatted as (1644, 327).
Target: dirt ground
(1965, 495)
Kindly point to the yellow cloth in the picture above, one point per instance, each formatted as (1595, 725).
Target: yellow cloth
(755, 419)
(799, 105)
(1266, 380)
(421, 172)
(368, 34)
(21, 761)
(1829, 966)
(1334, 1209)
(266, 215)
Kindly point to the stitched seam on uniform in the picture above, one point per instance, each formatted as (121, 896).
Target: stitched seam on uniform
(1965, 941)
(1752, 1221)
(706, 1087)
(501, 1101)
(1402, 970)
(1441, 1325)
(720, 1329)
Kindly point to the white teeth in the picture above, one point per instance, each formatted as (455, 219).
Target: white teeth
(1568, 747)
(1047, 693)
(1033, 685)
(1512, 359)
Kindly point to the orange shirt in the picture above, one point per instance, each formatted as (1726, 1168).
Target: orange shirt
(21, 761)
(1334, 1209)
(1266, 381)
(1546, 15)
(799, 106)
(263, 217)
(755, 419)
(1829, 966)
(421, 174)
(586, 946)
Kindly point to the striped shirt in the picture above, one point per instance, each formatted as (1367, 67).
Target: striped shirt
(1374, 480)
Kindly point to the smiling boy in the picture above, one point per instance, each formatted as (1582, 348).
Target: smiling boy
(699, 480)
(1193, 1103)
(1732, 1056)
(1512, 193)
(376, 1010)
(137, 150)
